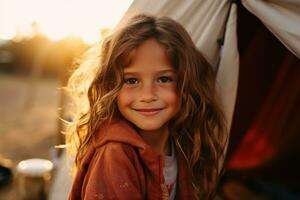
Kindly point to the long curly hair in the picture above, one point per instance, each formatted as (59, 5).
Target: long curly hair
(198, 129)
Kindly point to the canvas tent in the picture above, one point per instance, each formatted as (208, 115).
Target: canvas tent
(213, 27)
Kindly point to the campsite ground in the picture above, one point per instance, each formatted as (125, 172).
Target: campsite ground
(28, 121)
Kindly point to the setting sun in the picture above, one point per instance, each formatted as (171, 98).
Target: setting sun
(57, 19)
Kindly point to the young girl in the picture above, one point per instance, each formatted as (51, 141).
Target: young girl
(153, 127)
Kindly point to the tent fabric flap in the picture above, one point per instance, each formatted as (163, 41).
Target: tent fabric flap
(282, 18)
(228, 70)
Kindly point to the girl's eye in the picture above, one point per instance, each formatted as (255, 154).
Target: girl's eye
(164, 79)
(131, 81)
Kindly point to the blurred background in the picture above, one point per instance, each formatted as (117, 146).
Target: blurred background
(39, 40)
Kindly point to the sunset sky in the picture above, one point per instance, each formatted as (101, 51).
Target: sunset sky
(59, 18)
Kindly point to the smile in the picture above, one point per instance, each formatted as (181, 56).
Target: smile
(149, 111)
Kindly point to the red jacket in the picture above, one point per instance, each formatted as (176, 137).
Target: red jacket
(120, 165)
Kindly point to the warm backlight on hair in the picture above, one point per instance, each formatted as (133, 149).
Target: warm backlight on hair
(57, 19)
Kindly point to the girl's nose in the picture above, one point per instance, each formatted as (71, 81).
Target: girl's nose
(148, 93)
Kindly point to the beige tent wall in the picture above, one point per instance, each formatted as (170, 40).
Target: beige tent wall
(228, 69)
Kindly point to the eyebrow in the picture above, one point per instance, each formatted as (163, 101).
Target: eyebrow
(157, 72)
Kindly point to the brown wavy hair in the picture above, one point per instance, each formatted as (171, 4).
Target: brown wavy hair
(198, 129)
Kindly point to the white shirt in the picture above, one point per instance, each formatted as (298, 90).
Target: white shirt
(170, 173)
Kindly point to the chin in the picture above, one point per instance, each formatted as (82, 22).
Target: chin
(149, 126)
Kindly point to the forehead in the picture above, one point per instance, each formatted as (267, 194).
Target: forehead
(150, 55)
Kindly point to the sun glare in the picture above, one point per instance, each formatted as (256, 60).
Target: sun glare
(57, 19)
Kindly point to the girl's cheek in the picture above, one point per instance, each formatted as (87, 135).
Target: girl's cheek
(175, 95)
(171, 95)
(125, 95)
(126, 91)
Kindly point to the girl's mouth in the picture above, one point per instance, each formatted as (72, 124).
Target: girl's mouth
(148, 111)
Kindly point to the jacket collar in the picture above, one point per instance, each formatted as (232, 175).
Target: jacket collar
(120, 130)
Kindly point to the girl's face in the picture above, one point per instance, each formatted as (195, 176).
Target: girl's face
(148, 97)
